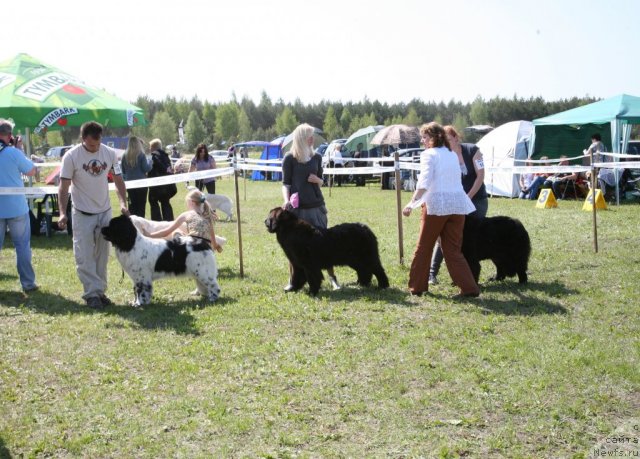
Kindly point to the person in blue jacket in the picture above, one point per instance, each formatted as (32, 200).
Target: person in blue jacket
(14, 211)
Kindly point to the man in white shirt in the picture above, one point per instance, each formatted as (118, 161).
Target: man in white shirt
(86, 167)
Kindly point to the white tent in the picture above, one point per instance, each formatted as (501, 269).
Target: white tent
(499, 148)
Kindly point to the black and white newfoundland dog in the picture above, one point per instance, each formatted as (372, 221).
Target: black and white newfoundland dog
(503, 240)
(145, 259)
(310, 250)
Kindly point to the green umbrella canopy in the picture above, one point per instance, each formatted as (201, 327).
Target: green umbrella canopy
(41, 97)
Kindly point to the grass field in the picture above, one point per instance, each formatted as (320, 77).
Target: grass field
(550, 369)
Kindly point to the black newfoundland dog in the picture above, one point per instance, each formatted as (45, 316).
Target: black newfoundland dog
(310, 250)
(503, 240)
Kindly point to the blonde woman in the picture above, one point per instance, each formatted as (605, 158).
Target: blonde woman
(302, 174)
(134, 165)
(199, 220)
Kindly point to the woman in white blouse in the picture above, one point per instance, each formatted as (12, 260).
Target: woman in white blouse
(444, 205)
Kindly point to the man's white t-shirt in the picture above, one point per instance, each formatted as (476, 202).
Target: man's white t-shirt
(88, 174)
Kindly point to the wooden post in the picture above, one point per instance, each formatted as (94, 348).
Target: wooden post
(396, 163)
(239, 226)
(593, 205)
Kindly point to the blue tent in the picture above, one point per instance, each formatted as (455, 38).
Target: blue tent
(270, 150)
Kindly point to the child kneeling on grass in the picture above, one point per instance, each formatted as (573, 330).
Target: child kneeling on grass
(199, 221)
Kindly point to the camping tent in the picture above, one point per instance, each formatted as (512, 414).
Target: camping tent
(499, 148)
(569, 132)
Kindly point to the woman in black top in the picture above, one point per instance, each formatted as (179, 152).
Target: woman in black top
(302, 174)
(160, 195)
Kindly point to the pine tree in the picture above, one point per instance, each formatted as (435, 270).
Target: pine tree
(412, 118)
(244, 126)
(227, 121)
(330, 126)
(164, 128)
(286, 121)
(194, 131)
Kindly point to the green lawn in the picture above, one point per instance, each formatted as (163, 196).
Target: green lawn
(543, 370)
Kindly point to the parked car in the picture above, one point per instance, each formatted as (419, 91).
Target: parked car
(219, 155)
(322, 148)
(57, 152)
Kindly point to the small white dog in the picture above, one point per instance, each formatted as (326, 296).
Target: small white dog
(218, 201)
(150, 226)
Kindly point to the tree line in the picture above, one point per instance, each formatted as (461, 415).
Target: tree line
(225, 123)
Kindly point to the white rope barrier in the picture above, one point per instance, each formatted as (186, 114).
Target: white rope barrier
(619, 155)
(537, 169)
(50, 164)
(275, 165)
(260, 161)
(546, 161)
(131, 184)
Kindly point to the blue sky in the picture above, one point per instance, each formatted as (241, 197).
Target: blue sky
(392, 50)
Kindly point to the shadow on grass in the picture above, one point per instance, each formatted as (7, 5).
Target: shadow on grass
(525, 304)
(176, 316)
(5, 276)
(552, 289)
(57, 240)
(353, 291)
(228, 273)
(521, 308)
(4, 452)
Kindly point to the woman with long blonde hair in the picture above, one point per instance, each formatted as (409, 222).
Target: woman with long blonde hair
(302, 177)
(199, 220)
(134, 165)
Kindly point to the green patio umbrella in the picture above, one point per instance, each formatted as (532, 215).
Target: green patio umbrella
(40, 97)
(363, 136)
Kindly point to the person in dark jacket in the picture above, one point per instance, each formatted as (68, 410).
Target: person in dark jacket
(160, 195)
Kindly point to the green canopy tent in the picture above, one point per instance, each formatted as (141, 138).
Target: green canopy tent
(569, 132)
(41, 97)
